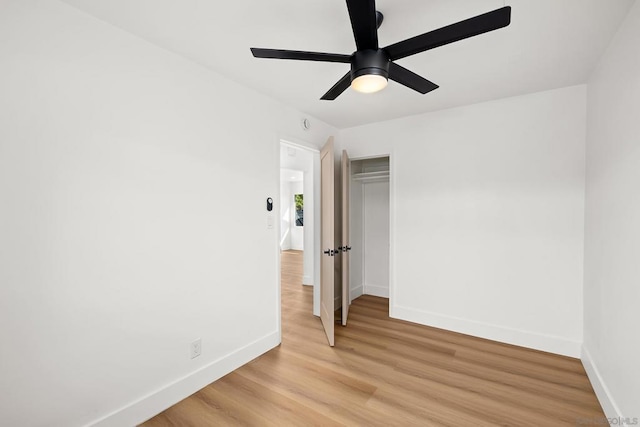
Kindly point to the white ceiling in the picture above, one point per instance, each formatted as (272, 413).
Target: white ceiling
(292, 158)
(289, 175)
(549, 44)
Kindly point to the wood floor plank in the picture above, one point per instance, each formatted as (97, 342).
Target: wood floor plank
(385, 372)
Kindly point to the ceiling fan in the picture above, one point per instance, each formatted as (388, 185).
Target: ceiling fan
(372, 66)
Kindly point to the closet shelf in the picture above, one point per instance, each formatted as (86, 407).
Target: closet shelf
(369, 176)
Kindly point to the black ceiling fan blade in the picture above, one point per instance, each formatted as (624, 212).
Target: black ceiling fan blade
(338, 88)
(364, 23)
(480, 24)
(300, 55)
(410, 79)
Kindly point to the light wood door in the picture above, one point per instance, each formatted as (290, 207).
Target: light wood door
(346, 244)
(327, 190)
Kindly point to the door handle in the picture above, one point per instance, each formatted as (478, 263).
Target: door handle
(329, 252)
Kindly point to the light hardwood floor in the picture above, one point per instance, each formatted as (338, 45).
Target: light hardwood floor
(387, 372)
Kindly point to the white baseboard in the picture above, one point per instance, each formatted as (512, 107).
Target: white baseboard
(548, 343)
(376, 291)
(159, 400)
(603, 394)
(307, 280)
(356, 292)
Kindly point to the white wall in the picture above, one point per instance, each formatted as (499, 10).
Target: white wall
(118, 162)
(376, 238)
(487, 208)
(612, 226)
(309, 240)
(285, 212)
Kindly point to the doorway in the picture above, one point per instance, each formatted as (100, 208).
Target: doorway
(292, 206)
(299, 211)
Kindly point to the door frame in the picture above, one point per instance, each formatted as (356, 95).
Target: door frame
(309, 147)
(345, 238)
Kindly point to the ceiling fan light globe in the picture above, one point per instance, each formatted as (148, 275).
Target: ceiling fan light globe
(369, 83)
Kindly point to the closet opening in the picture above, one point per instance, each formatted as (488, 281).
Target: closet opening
(369, 227)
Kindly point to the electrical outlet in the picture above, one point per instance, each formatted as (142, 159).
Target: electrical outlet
(196, 348)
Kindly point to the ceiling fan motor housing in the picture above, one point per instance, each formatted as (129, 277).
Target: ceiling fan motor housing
(370, 61)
